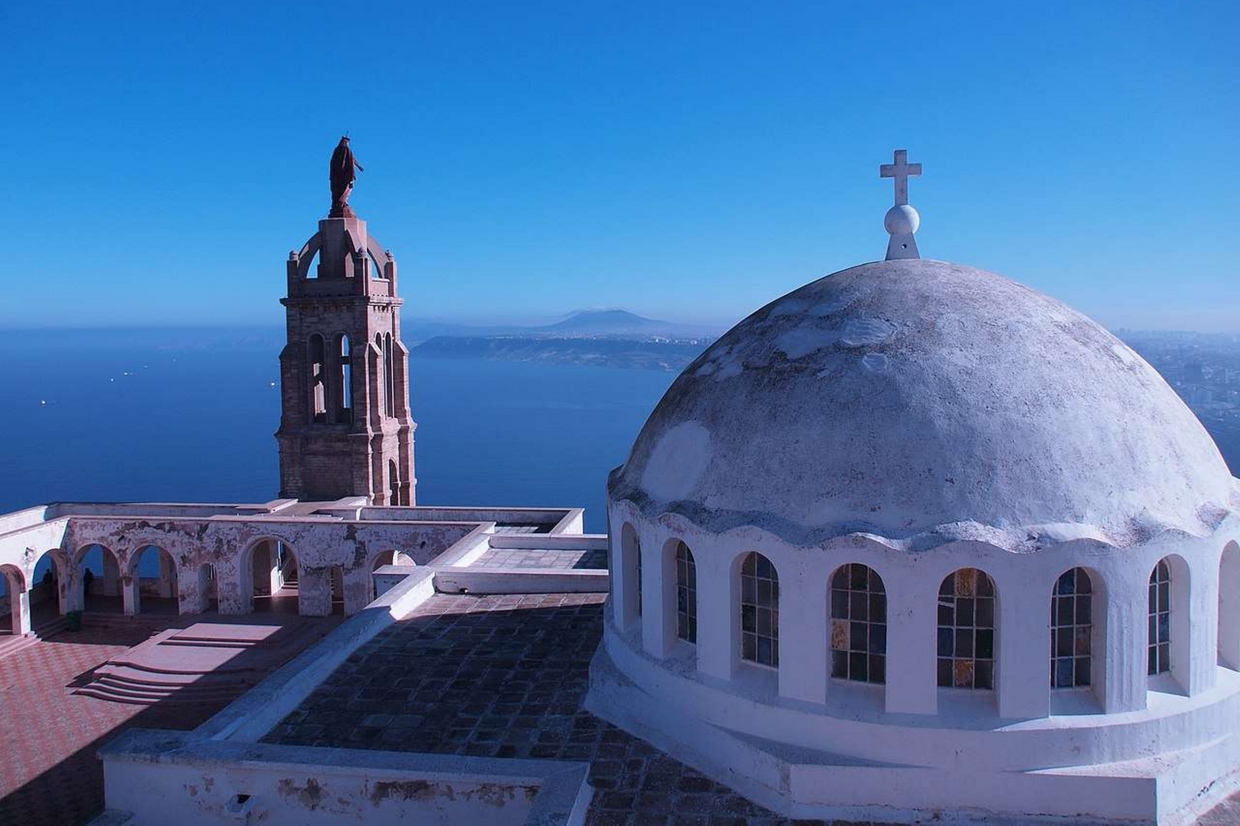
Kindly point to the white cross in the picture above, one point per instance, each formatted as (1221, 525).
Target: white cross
(901, 170)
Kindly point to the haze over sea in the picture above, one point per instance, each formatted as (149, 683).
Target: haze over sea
(188, 415)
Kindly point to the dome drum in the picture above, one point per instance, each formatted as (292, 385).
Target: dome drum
(914, 539)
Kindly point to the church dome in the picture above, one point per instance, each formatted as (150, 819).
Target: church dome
(914, 398)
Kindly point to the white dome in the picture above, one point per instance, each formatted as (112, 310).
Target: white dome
(909, 397)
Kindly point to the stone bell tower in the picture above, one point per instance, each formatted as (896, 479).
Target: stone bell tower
(345, 429)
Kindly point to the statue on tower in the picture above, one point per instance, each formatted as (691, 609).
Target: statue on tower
(342, 178)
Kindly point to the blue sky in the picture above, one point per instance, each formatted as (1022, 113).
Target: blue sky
(689, 161)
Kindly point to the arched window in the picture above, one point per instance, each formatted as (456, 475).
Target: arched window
(966, 646)
(630, 602)
(389, 376)
(318, 376)
(394, 483)
(858, 624)
(1072, 628)
(380, 379)
(344, 380)
(1229, 607)
(1160, 619)
(759, 610)
(686, 594)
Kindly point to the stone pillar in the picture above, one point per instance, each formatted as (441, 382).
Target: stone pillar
(131, 597)
(167, 576)
(1023, 651)
(314, 595)
(191, 598)
(802, 637)
(357, 591)
(19, 599)
(718, 617)
(658, 596)
(626, 550)
(1127, 645)
(912, 644)
(1201, 643)
(111, 575)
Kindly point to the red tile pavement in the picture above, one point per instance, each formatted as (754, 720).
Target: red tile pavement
(49, 773)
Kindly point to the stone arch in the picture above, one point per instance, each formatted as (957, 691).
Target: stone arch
(1168, 643)
(629, 594)
(1078, 625)
(101, 590)
(160, 596)
(54, 591)
(381, 558)
(857, 629)
(268, 569)
(758, 581)
(968, 630)
(17, 611)
(1229, 607)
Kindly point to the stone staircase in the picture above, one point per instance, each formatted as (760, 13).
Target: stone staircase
(205, 663)
(12, 643)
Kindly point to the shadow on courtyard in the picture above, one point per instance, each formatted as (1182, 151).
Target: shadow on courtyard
(71, 791)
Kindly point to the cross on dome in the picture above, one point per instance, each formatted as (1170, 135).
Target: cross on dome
(901, 170)
(901, 220)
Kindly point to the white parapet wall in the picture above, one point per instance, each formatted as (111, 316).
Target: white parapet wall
(149, 775)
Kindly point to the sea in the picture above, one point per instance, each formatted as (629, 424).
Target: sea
(189, 415)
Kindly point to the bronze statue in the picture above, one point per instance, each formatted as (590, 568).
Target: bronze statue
(342, 177)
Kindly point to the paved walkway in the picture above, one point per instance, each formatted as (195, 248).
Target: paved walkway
(49, 775)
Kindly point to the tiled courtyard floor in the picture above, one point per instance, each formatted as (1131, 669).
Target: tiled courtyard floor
(49, 775)
(505, 676)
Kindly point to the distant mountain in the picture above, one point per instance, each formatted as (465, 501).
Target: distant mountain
(620, 323)
(604, 338)
(590, 351)
(583, 323)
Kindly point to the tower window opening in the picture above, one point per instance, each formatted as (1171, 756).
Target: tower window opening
(344, 391)
(1160, 619)
(389, 376)
(318, 376)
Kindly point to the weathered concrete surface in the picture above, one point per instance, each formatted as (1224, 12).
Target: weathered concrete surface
(897, 397)
(150, 773)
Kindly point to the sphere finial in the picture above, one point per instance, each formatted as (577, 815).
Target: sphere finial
(901, 221)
